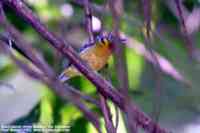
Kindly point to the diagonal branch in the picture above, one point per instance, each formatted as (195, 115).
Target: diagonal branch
(107, 115)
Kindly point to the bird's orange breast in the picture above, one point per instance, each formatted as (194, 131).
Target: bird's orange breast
(96, 57)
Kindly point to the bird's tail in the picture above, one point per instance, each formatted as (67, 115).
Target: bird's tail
(63, 77)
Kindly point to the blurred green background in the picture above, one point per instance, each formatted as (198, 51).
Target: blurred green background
(30, 102)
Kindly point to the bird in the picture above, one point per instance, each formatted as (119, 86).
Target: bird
(96, 55)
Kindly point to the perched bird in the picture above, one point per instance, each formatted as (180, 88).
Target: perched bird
(96, 56)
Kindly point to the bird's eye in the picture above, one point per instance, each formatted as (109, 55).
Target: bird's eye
(102, 40)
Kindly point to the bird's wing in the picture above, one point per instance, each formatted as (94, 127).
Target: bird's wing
(86, 46)
(83, 50)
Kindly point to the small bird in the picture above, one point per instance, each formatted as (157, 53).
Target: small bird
(95, 54)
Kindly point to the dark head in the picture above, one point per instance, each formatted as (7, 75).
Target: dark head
(103, 41)
(108, 40)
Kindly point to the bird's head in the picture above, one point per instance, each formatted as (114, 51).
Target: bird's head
(107, 40)
(103, 41)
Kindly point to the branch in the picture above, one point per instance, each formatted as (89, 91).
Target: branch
(192, 19)
(188, 41)
(165, 66)
(172, 7)
(119, 54)
(147, 11)
(107, 116)
(88, 17)
(120, 62)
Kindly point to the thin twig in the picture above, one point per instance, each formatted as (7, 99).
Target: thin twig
(88, 18)
(120, 62)
(107, 110)
(147, 7)
(165, 66)
(189, 45)
(117, 118)
(107, 115)
(172, 7)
